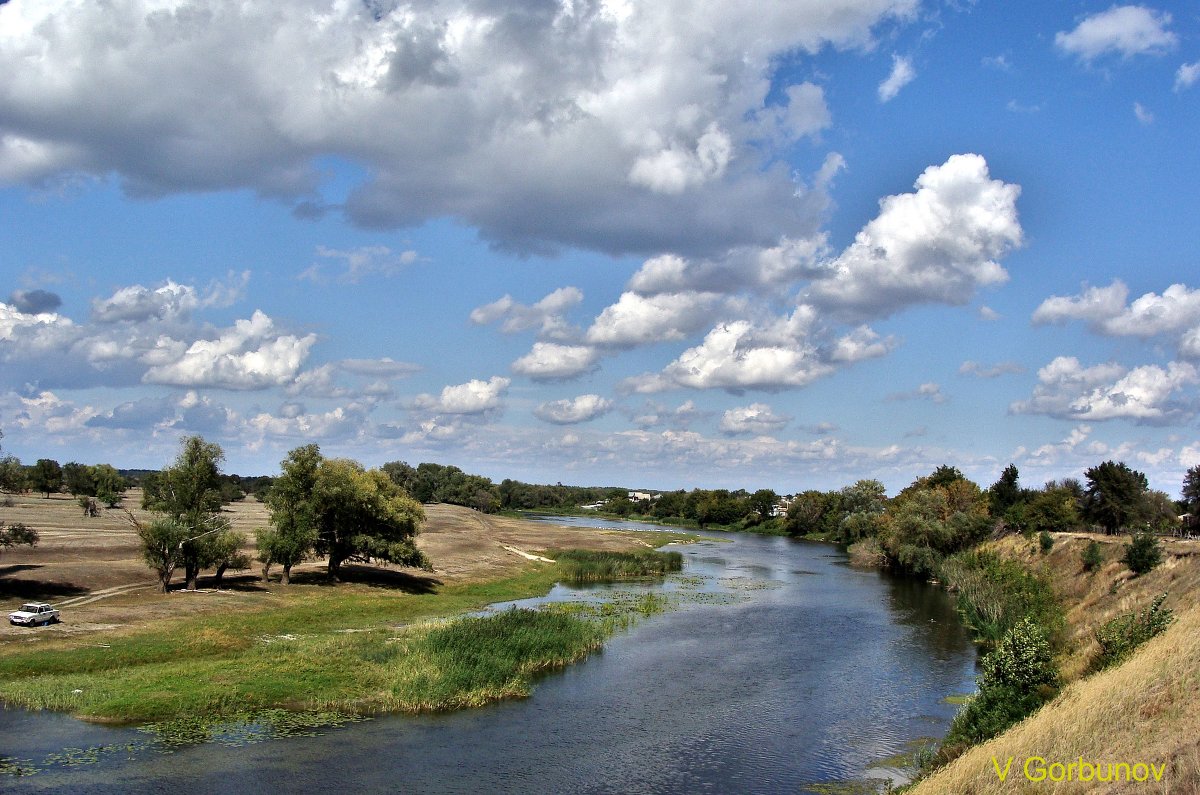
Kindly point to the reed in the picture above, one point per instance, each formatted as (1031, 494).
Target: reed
(585, 565)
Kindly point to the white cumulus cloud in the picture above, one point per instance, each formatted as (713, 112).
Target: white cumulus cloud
(937, 245)
(474, 397)
(550, 361)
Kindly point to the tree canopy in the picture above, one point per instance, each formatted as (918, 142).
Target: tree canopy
(1115, 496)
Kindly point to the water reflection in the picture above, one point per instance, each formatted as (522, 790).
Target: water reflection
(808, 671)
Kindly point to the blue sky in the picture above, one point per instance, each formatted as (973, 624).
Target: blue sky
(662, 245)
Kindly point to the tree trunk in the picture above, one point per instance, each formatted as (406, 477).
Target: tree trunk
(164, 581)
(335, 568)
(192, 573)
(266, 571)
(286, 578)
(220, 573)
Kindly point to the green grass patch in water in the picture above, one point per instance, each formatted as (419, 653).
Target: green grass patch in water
(587, 565)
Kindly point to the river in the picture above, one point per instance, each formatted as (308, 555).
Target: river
(781, 667)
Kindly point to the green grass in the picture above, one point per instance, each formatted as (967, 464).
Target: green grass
(586, 565)
(327, 650)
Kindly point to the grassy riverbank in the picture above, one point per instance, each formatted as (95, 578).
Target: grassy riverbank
(317, 649)
(1144, 710)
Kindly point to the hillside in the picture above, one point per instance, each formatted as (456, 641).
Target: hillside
(1144, 711)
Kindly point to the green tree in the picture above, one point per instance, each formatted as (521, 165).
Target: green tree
(1091, 556)
(1004, 493)
(189, 493)
(16, 534)
(78, 479)
(162, 547)
(1143, 553)
(763, 502)
(12, 475)
(1115, 496)
(293, 512)
(110, 486)
(1191, 492)
(46, 476)
(363, 515)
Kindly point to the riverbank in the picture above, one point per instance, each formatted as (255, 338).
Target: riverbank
(1142, 711)
(375, 645)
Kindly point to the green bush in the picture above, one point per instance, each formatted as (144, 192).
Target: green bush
(1092, 557)
(1045, 541)
(1119, 637)
(1018, 676)
(1143, 553)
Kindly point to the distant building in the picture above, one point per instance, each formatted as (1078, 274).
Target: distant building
(635, 496)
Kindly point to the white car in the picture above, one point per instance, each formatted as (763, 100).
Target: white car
(34, 613)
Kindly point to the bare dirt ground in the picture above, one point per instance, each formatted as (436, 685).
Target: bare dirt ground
(91, 567)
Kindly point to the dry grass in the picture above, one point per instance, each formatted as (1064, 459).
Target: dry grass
(1093, 599)
(1146, 711)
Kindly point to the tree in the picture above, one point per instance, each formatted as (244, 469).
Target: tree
(17, 534)
(79, 479)
(763, 502)
(162, 547)
(46, 476)
(1143, 553)
(1191, 492)
(110, 486)
(189, 493)
(12, 475)
(1091, 556)
(363, 515)
(1004, 493)
(1115, 496)
(293, 512)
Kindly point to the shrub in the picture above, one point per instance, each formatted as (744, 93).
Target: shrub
(1017, 678)
(1119, 637)
(1045, 541)
(1143, 553)
(1092, 557)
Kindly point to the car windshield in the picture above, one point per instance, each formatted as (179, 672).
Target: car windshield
(30, 608)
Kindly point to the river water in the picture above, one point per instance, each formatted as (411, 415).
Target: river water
(780, 667)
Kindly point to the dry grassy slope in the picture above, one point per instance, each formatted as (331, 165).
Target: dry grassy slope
(1147, 710)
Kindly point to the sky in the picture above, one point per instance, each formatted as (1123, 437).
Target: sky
(662, 245)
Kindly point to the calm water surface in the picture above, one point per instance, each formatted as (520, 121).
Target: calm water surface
(781, 667)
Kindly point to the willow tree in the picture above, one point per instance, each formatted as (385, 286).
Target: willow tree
(189, 493)
(363, 516)
(293, 513)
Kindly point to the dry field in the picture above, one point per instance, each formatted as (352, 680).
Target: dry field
(91, 568)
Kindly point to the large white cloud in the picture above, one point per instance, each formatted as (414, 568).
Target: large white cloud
(1175, 313)
(549, 361)
(620, 126)
(1128, 30)
(937, 245)
(250, 355)
(474, 397)
(641, 320)
(1147, 394)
